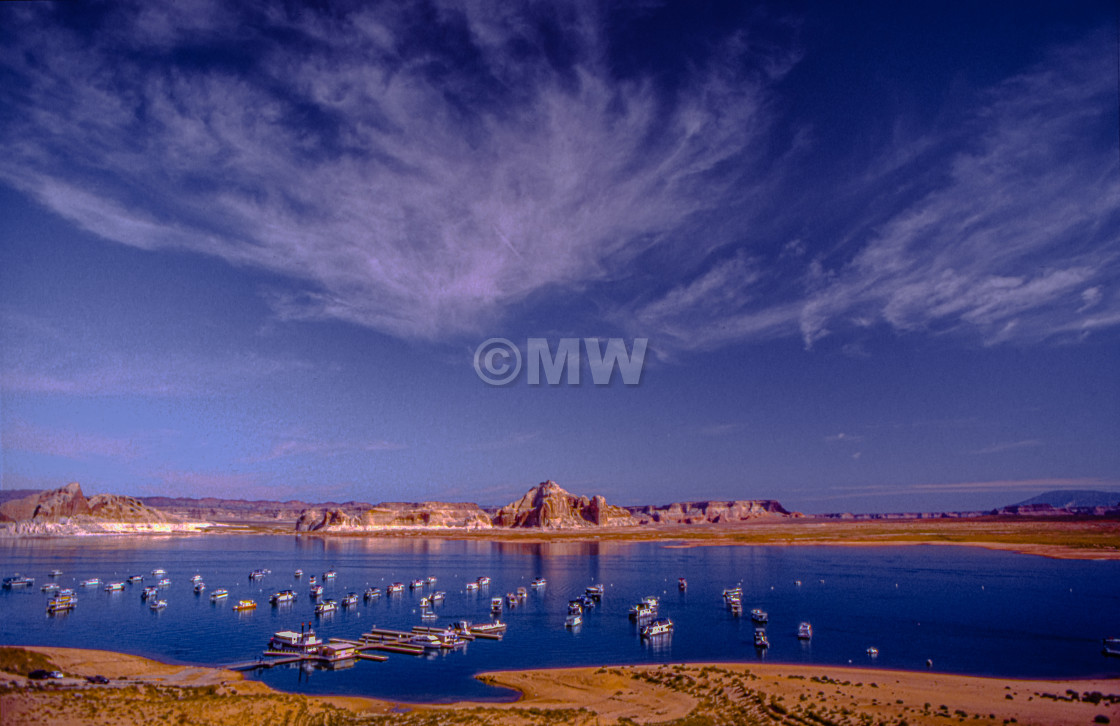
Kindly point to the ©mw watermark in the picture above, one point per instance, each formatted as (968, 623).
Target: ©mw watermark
(498, 361)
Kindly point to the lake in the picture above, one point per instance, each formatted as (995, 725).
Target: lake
(969, 610)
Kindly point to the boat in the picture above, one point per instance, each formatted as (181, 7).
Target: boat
(642, 610)
(245, 605)
(483, 581)
(281, 597)
(431, 579)
(114, 587)
(760, 640)
(873, 651)
(495, 628)
(425, 602)
(316, 592)
(805, 631)
(522, 594)
(256, 575)
(573, 620)
(50, 587)
(159, 572)
(199, 587)
(327, 606)
(219, 594)
(682, 584)
(165, 582)
(329, 575)
(438, 596)
(428, 615)
(735, 606)
(92, 582)
(54, 573)
(538, 583)
(311, 580)
(759, 616)
(416, 585)
(136, 578)
(350, 600)
(496, 605)
(511, 599)
(149, 592)
(660, 626)
(1111, 646)
(196, 578)
(426, 641)
(472, 586)
(733, 593)
(372, 593)
(63, 602)
(595, 591)
(158, 604)
(338, 655)
(290, 641)
(395, 588)
(299, 574)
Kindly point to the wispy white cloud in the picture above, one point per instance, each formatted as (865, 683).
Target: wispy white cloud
(1009, 446)
(396, 190)
(313, 447)
(843, 438)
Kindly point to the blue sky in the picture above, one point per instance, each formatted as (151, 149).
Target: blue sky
(249, 251)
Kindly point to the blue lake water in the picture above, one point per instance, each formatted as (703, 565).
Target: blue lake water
(970, 610)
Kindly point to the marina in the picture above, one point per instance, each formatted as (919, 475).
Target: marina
(846, 617)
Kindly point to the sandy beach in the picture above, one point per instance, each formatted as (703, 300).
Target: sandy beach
(143, 691)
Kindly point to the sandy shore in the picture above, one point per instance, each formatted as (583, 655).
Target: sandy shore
(143, 691)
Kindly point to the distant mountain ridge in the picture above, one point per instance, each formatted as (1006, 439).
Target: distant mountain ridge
(68, 511)
(1071, 498)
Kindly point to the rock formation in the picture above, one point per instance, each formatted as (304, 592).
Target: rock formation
(548, 506)
(68, 511)
(709, 512)
(393, 515)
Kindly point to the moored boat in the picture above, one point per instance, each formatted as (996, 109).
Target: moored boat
(873, 652)
(496, 605)
(538, 582)
(298, 574)
(256, 575)
(62, 602)
(290, 641)
(114, 587)
(1111, 646)
(158, 604)
(91, 582)
(573, 620)
(50, 587)
(149, 592)
(329, 575)
(682, 584)
(660, 626)
(136, 578)
(245, 605)
(438, 596)
(316, 591)
(760, 640)
(159, 572)
(522, 594)
(372, 593)
(199, 587)
(395, 588)
(416, 584)
(805, 631)
(278, 598)
(483, 581)
(165, 582)
(54, 573)
(759, 616)
(595, 591)
(327, 606)
(350, 600)
(472, 586)
(219, 594)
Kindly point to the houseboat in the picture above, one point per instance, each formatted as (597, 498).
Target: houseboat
(165, 582)
(760, 640)
(54, 573)
(573, 620)
(496, 605)
(157, 604)
(759, 616)
(511, 599)
(298, 574)
(431, 580)
(196, 578)
(327, 606)
(873, 651)
(642, 610)
(289, 641)
(805, 631)
(472, 586)
(91, 582)
(50, 587)
(284, 596)
(219, 594)
(438, 596)
(256, 575)
(311, 580)
(483, 581)
(660, 626)
(372, 593)
(245, 605)
(522, 594)
(149, 592)
(159, 572)
(199, 587)
(63, 602)
(316, 592)
(1111, 646)
(416, 585)
(595, 591)
(350, 600)
(682, 584)
(134, 579)
(538, 583)
(114, 587)
(338, 655)
(395, 588)
(329, 575)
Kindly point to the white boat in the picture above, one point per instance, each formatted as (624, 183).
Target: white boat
(219, 594)
(372, 593)
(149, 592)
(196, 578)
(165, 582)
(425, 602)
(873, 651)
(311, 580)
(641, 611)
(159, 572)
(538, 583)
(350, 600)
(256, 575)
(199, 587)
(483, 581)
(426, 640)
(136, 578)
(735, 606)
(733, 592)
(158, 604)
(329, 575)
(661, 626)
(438, 596)
(50, 587)
(805, 631)
(759, 616)
(431, 579)
(416, 585)
(316, 591)
(327, 606)
(54, 573)
(283, 596)
(92, 582)
(496, 605)
(760, 640)
(472, 586)
(595, 591)
(290, 641)
(114, 587)
(1111, 646)
(522, 594)
(62, 603)
(299, 574)
(573, 620)
(395, 588)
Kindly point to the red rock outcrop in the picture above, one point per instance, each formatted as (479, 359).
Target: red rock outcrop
(709, 512)
(548, 506)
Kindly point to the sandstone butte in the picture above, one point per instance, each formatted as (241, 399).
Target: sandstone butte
(69, 511)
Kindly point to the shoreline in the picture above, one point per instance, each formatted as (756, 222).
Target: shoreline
(142, 690)
(1078, 539)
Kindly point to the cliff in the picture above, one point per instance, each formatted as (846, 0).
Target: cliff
(68, 511)
(393, 515)
(709, 512)
(548, 506)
